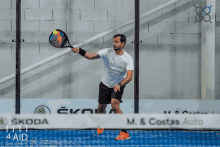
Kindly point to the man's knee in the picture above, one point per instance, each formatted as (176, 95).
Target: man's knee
(101, 108)
(115, 103)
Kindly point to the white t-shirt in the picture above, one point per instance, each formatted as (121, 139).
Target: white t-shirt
(115, 66)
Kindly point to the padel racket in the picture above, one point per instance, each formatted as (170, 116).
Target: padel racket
(59, 39)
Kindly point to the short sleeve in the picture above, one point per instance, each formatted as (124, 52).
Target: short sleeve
(103, 53)
(130, 64)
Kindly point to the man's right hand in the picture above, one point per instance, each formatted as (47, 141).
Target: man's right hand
(75, 50)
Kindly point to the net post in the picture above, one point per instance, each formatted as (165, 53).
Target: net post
(136, 59)
(18, 57)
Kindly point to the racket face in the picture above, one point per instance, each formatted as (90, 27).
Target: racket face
(59, 39)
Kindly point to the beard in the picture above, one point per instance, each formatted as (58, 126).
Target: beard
(116, 49)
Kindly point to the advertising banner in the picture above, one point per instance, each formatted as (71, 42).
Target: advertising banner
(89, 106)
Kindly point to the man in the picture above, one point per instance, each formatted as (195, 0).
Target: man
(116, 63)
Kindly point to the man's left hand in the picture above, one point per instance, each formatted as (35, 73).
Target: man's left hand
(116, 87)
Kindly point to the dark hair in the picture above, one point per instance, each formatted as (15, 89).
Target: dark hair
(123, 38)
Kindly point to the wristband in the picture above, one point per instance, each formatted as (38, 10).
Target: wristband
(119, 84)
(82, 52)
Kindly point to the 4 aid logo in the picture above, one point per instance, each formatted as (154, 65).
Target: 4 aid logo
(15, 135)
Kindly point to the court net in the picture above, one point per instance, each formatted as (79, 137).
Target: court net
(80, 130)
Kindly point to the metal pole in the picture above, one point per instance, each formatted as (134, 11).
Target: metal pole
(136, 59)
(18, 57)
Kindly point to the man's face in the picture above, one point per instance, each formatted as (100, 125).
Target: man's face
(117, 45)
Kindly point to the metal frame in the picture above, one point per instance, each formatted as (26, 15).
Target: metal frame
(136, 58)
(136, 46)
(18, 57)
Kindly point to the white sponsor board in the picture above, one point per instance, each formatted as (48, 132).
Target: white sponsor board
(87, 106)
(70, 106)
(113, 121)
(180, 106)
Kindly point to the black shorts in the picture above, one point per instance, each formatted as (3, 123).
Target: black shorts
(106, 94)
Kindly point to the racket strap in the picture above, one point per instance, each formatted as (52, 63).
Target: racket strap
(82, 52)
